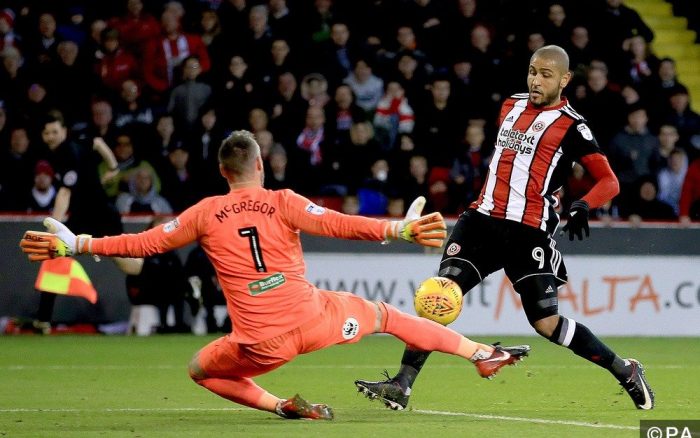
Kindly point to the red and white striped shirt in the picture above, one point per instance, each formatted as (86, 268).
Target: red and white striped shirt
(534, 152)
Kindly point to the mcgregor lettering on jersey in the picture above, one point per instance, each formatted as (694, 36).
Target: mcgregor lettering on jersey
(249, 205)
(516, 140)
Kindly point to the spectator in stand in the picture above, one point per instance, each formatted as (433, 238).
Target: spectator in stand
(41, 197)
(393, 116)
(234, 93)
(461, 22)
(668, 140)
(37, 102)
(405, 43)
(258, 120)
(74, 28)
(412, 77)
(256, 44)
(685, 120)
(314, 90)
(355, 157)
(556, 28)
(639, 65)
(142, 196)
(8, 37)
(367, 87)
(284, 23)
(429, 20)
(16, 168)
(156, 147)
(13, 78)
(41, 47)
(278, 174)
(165, 54)
(280, 61)
(468, 169)
(214, 38)
(131, 112)
(634, 154)
(671, 177)
(659, 88)
(307, 156)
(601, 105)
(439, 124)
(374, 192)
(116, 181)
(188, 98)
(416, 183)
(101, 123)
(319, 21)
(180, 187)
(690, 194)
(646, 207)
(615, 25)
(67, 81)
(581, 53)
(341, 113)
(233, 15)
(336, 57)
(288, 110)
(115, 65)
(204, 142)
(136, 28)
(486, 60)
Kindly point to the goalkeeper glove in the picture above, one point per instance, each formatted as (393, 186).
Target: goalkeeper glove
(58, 242)
(427, 230)
(578, 220)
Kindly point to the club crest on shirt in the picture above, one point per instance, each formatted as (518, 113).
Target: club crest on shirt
(585, 131)
(315, 209)
(453, 249)
(171, 226)
(538, 126)
(350, 328)
(70, 178)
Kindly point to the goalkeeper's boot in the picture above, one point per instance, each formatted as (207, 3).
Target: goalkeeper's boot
(388, 391)
(637, 386)
(488, 366)
(296, 407)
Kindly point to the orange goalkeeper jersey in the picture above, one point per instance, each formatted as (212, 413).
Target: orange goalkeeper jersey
(251, 236)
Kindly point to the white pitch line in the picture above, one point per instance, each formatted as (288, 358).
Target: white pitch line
(63, 410)
(419, 411)
(292, 366)
(528, 420)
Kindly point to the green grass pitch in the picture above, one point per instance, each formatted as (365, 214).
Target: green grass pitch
(99, 386)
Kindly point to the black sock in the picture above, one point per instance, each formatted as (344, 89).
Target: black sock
(411, 364)
(46, 304)
(579, 339)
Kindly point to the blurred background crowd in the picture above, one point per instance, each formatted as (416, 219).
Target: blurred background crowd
(359, 104)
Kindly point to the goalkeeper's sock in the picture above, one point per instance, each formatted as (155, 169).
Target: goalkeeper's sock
(422, 336)
(579, 339)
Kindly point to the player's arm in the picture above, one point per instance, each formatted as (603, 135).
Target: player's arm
(61, 204)
(428, 230)
(60, 241)
(580, 144)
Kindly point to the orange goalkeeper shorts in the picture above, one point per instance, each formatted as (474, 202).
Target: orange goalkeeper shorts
(346, 319)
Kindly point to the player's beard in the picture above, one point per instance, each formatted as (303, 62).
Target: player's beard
(546, 100)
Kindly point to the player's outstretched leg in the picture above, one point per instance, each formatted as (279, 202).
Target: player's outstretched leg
(420, 335)
(298, 408)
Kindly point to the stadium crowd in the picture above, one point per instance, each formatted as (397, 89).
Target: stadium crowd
(364, 104)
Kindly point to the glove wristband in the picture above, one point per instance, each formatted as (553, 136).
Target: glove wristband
(579, 204)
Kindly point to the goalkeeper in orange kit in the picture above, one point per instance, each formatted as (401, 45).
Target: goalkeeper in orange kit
(251, 236)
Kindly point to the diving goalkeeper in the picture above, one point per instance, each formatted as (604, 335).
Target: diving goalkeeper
(251, 236)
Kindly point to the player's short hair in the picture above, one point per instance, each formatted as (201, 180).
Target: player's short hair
(554, 53)
(238, 152)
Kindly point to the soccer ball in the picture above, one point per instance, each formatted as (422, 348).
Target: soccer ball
(438, 299)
